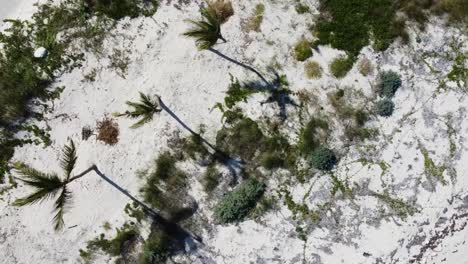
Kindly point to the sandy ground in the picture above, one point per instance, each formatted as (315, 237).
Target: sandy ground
(191, 82)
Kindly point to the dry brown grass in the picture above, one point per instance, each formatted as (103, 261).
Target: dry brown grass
(108, 131)
(313, 70)
(223, 8)
(365, 67)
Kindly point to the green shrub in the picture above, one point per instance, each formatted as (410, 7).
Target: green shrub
(210, 179)
(237, 204)
(313, 70)
(271, 160)
(237, 93)
(323, 158)
(242, 139)
(302, 9)
(114, 246)
(157, 248)
(302, 50)
(388, 83)
(384, 107)
(118, 9)
(340, 66)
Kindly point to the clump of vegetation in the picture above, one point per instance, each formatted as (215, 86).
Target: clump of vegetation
(210, 178)
(431, 170)
(144, 110)
(398, 205)
(272, 161)
(349, 25)
(323, 158)
(388, 83)
(237, 204)
(237, 93)
(114, 246)
(302, 50)
(340, 66)
(301, 8)
(254, 22)
(457, 9)
(223, 8)
(108, 131)
(365, 67)
(157, 248)
(242, 139)
(313, 70)
(118, 9)
(384, 107)
(312, 134)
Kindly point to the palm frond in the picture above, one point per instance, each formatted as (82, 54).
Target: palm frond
(60, 207)
(46, 185)
(207, 31)
(68, 160)
(144, 109)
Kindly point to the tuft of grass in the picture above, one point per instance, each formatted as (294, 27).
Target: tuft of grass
(223, 8)
(311, 135)
(365, 67)
(255, 21)
(302, 50)
(313, 70)
(340, 66)
(210, 179)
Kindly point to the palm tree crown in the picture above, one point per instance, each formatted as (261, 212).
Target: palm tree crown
(206, 31)
(48, 186)
(145, 109)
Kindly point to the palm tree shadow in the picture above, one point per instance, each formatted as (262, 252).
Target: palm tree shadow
(233, 165)
(170, 227)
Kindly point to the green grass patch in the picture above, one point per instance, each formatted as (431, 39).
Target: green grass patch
(255, 21)
(340, 66)
(302, 50)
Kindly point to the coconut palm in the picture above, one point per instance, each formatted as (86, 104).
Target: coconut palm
(48, 186)
(145, 110)
(206, 31)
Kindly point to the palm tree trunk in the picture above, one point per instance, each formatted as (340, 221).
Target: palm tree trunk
(250, 68)
(171, 228)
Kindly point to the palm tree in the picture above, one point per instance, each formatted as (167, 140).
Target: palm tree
(49, 185)
(145, 110)
(206, 31)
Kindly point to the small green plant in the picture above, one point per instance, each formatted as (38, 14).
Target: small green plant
(254, 22)
(313, 70)
(384, 107)
(398, 205)
(302, 50)
(157, 248)
(310, 135)
(340, 66)
(323, 158)
(388, 83)
(237, 204)
(114, 246)
(236, 93)
(365, 67)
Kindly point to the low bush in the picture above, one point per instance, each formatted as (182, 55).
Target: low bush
(384, 107)
(242, 139)
(272, 160)
(313, 70)
(237, 93)
(302, 50)
(157, 248)
(236, 205)
(223, 8)
(301, 8)
(323, 158)
(340, 66)
(108, 131)
(365, 67)
(118, 9)
(388, 83)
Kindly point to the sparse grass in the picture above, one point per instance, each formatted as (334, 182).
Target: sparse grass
(365, 67)
(237, 93)
(237, 204)
(313, 70)
(340, 66)
(255, 21)
(223, 8)
(302, 50)
(108, 131)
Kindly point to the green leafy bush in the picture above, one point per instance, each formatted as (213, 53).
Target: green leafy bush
(340, 66)
(254, 22)
(237, 204)
(118, 9)
(323, 158)
(302, 50)
(385, 107)
(236, 93)
(388, 83)
(114, 246)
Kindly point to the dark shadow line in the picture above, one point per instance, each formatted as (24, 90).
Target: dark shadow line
(171, 228)
(250, 68)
